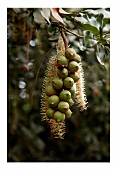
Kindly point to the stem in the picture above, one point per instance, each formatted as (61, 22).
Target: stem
(67, 30)
(79, 36)
(64, 38)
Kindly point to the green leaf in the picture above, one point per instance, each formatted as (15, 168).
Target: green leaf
(51, 29)
(89, 27)
(38, 18)
(100, 54)
(83, 20)
(106, 28)
(93, 24)
(45, 12)
(89, 40)
(88, 35)
(103, 41)
(54, 37)
(100, 20)
(105, 13)
(62, 11)
(30, 21)
(19, 10)
(81, 46)
(107, 20)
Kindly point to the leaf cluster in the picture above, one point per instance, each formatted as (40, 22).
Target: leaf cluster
(92, 24)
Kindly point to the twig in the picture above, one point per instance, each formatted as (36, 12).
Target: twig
(79, 36)
(67, 30)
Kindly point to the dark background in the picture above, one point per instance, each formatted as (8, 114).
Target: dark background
(87, 135)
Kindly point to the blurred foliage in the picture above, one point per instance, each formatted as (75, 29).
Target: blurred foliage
(32, 35)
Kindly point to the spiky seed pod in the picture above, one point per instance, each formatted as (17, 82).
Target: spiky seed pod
(62, 73)
(68, 82)
(57, 83)
(73, 66)
(74, 76)
(60, 47)
(57, 124)
(50, 90)
(63, 106)
(68, 113)
(50, 74)
(80, 90)
(77, 58)
(62, 61)
(65, 95)
(58, 116)
(53, 101)
(57, 128)
(50, 113)
(71, 102)
(73, 89)
(70, 53)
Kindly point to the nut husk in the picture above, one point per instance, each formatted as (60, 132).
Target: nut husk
(68, 113)
(53, 101)
(73, 66)
(57, 83)
(63, 106)
(50, 113)
(77, 58)
(65, 95)
(58, 116)
(71, 102)
(50, 90)
(62, 61)
(70, 53)
(62, 73)
(68, 82)
(72, 90)
(74, 76)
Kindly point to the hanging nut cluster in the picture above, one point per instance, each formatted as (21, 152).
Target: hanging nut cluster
(63, 82)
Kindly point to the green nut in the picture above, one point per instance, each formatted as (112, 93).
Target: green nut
(72, 90)
(73, 66)
(50, 90)
(68, 113)
(58, 116)
(53, 101)
(68, 82)
(57, 83)
(63, 106)
(74, 76)
(77, 58)
(50, 113)
(71, 102)
(62, 73)
(65, 95)
(70, 53)
(62, 61)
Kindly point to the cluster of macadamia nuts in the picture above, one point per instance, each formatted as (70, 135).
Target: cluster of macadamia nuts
(61, 91)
